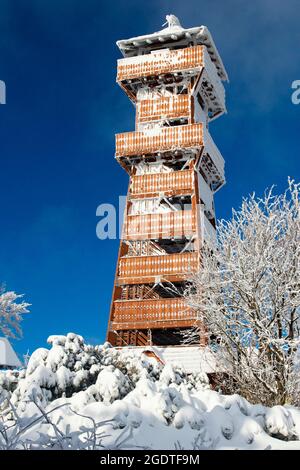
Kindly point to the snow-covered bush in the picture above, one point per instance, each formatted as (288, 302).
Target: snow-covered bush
(71, 366)
(247, 294)
(76, 396)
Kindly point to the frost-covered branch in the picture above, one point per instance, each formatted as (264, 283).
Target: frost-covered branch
(11, 313)
(248, 295)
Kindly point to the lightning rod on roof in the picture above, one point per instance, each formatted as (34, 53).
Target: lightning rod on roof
(172, 20)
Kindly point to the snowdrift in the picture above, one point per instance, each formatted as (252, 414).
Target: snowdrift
(77, 396)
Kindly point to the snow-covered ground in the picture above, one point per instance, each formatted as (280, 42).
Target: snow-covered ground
(85, 397)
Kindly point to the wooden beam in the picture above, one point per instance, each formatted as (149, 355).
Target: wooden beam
(153, 325)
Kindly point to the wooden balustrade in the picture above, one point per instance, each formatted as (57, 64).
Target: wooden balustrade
(157, 226)
(170, 267)
(160, 62)
(144, 314)
(164, 107)
(159, 139)
(173, 183)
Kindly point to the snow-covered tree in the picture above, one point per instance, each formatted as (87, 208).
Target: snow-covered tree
(247, 293)
(11, 313)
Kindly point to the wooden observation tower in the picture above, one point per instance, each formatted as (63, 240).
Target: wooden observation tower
(174, 79)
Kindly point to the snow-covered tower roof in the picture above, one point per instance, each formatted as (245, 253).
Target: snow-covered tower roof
(8, 357)
(174, 35)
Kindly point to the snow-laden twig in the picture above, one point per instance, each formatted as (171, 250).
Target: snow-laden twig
(248, 295)
(11, 312)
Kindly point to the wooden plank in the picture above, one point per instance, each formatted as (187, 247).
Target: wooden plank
(180, 277)
(160, 62)
(153, 325)
(144, 269)
(162, 139)
(165, 107)
(175, 182)
(143, 314)
(158, 226)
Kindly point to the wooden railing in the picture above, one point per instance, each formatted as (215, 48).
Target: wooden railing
(143, 314)
(159, 139)
(156, 226)
(144, 269)
(165, 107)
(174, 182)
(160, 62)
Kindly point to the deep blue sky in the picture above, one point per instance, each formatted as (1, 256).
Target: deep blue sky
(58, 59)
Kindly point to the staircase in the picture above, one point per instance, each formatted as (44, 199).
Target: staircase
(131, 338)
